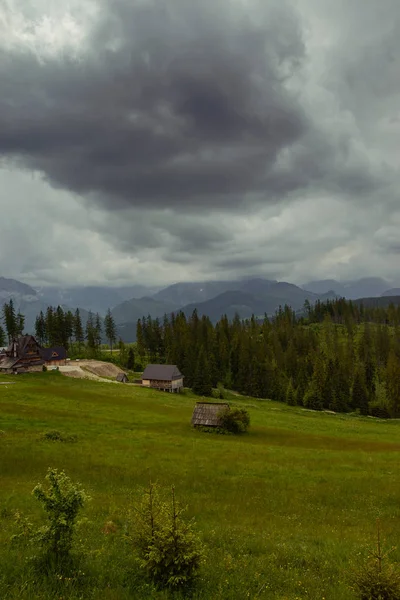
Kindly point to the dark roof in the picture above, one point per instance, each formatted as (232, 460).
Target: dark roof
(162, 372)
(122, 377)
(207, 413)
(8, 363)
(56, 353)
(22, 344)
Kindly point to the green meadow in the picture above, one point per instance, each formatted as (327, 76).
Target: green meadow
(284, 511)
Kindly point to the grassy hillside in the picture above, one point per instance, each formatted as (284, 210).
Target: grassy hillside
(281, 509)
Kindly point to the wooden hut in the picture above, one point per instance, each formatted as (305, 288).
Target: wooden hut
(163, 377)
(206, 414)
(122, 378)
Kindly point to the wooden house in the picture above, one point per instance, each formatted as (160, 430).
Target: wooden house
(25, 354)
(163, 377)
(122, 378)
(54, 357)
(206, 414)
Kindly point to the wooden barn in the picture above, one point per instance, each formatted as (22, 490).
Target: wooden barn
(206, 414)
(163, 377)
(122, 378)
(25, 354)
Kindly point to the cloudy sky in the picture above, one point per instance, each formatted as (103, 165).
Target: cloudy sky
(154, 141)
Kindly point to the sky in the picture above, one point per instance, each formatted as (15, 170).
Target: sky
(156, 141)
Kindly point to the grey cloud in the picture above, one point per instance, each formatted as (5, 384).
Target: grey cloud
(192, 102)
(213, 138)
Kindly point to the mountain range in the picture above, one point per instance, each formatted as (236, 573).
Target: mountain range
(212, 298)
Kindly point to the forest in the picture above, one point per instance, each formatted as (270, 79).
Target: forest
(336, 355)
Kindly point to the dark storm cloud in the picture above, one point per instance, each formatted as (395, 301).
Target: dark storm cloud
(176, 103)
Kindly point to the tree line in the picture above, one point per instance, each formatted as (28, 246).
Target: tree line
(337, 356)
(59, 327)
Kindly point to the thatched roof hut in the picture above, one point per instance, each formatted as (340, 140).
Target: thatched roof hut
(207, 413)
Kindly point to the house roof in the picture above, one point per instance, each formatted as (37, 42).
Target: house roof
(22, 344)
(56, 353)
(8, 363)
(161, 372)
(122, 377)
(207, 413)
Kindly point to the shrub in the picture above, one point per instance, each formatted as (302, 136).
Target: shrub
(62, 502)
(235, 420)
(56, 436)
(169, 549)
(377, 579)
(44, 368)
(380, 411)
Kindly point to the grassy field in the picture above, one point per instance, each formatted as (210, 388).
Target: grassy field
(283, 510)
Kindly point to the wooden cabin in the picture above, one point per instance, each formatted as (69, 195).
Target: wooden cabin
(54, 357)
(25, 354)
(206, 414)
(163, 377)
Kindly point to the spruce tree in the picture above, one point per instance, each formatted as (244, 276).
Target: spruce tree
(78, 329)
(91, 333)
(359, 394)
(110, 329)
(98, 331)
(20, 322)
(10, 320)
(202, 380)
(291, 394)
(40, 328)
(392, 384)
(2, 337)
(130, 363)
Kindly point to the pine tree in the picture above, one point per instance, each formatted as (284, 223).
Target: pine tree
(20, 323)
(40, 328)
(130, 363)
(2, 336)
(359, 394)
(10, 320)
(110, 329)
(78, 329)
(98, 331)
(140, 340)
(69, 327)
(392, 384)
(91, 332)
(291, 394)
(202, 381)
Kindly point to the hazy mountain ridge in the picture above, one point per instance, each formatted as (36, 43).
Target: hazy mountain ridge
(213, 298)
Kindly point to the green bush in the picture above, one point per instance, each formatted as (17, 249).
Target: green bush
(235, 420)
(377, 579)
(56, 436)
(62, 502)
(169, 550)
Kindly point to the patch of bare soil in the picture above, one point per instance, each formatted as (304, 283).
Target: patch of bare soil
(95, 370)
(102, 369)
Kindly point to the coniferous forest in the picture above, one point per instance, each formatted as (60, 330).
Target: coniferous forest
(337, 355)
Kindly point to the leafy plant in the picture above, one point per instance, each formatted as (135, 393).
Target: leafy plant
(62, 501)
(235, 420)
(377, 579)
(169, 549)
